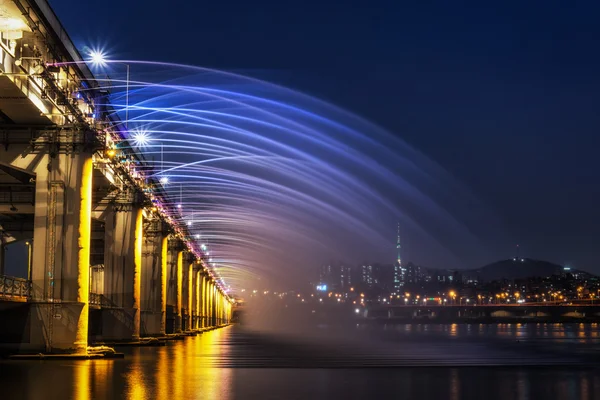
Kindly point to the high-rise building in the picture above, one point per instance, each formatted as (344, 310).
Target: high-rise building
(335, 275)
(325, 274)
(345, 276)
(383, 277)
(366, 274)
(413, 273)
(399, 270)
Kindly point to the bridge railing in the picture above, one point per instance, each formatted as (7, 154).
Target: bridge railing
(95, 299)
(14, 288)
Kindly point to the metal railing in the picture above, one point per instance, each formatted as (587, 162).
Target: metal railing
(95, 299)
(12, 288)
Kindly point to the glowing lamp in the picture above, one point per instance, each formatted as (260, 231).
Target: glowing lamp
(97, 58)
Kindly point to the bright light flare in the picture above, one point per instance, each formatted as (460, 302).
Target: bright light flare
(164, 180)
(97, 58)
(140, 138)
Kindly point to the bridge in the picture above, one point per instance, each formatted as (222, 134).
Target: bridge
(533, 312)
(109, 257)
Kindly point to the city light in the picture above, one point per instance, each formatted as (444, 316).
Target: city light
(140, 138)
(97, 58)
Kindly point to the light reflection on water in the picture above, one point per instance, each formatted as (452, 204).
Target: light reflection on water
(181, 370)
(193, 369)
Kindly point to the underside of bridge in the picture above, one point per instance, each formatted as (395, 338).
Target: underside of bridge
(105, 255)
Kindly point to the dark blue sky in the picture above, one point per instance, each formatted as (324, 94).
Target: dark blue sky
(504, 97)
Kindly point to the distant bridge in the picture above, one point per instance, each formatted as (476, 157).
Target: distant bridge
(110, 258)
(486, 312)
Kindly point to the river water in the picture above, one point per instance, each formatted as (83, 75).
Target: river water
(457, 361)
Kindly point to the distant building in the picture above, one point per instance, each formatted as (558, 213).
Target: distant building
(399, 271)
(413, 274)
(336, 275)
(345, 277)
(366, 274)
(384, 277)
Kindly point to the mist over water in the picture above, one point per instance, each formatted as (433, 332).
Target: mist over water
(275, 182)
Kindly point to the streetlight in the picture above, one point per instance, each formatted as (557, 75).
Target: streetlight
(98, 59)
(140, 138)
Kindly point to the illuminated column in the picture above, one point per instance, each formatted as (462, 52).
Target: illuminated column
(222, 308)
(137, 275)
(208, 303)
(188, 295)
(83, 259)
(199, 294)
(218, 308)
(175, 256)
(163, 285)
(179, 292)
(217, 305)
(204, 304)
(223, 319)
(61, 253)
(122, 273)
(194, 297)
(212, 304)
(219, 317)
(154, 279)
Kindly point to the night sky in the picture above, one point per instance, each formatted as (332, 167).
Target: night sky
(504, 98)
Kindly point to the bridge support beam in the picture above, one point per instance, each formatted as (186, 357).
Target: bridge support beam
(154, 285)
(61, 253)
(204, 323)
(206, 303)
(199, 300)
(122, 275)
(179, 292)
(175, 262)
(194, 288)
(211, 304)
(188, 295)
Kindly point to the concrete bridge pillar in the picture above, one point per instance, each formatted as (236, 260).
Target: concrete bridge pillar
(211, 310)
(201, 294)
(154, 283)
(175, 257)
(179, 293)
(122, 274)
(194, 297)
(61, 252)
(208, 299)
(219, 307)
(204, 299)
(188, 294)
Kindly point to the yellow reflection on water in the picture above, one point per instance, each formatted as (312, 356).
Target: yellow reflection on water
(101, 378)
(454, 330)
(182, 370)
(197, 367)
(81, 384)
(136, 385)
(202, 365)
